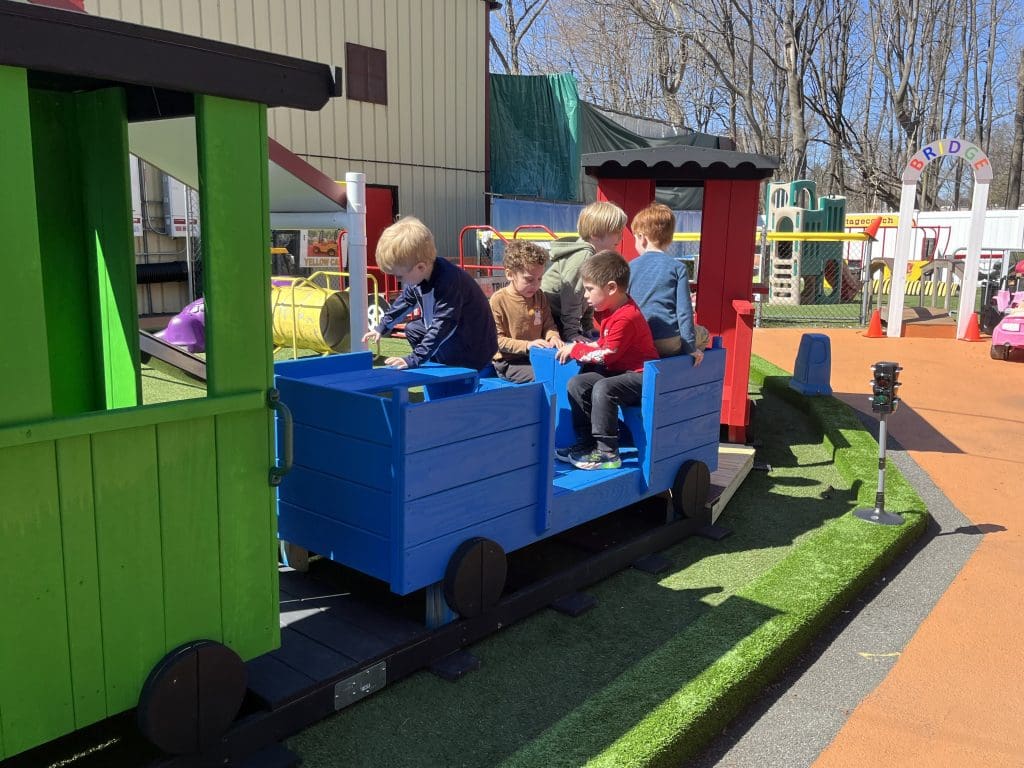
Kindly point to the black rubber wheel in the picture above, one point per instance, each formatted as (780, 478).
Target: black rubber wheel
(191, 697)
(999, 352)
(475, 577)
(690, 491)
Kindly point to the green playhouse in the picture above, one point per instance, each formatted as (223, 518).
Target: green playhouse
(807, 272)
(141, 539)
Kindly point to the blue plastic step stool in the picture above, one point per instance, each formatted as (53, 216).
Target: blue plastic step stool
(813, 368)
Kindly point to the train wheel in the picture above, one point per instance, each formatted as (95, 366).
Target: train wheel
(690, 490)
(191, 697)
(475, 577)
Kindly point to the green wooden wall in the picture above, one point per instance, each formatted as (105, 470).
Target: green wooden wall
(130, 530)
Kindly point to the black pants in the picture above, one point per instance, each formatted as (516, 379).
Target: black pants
(518, 371)
(453, 352)
(595, 397)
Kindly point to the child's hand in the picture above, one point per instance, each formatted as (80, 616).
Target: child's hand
(539, 344)
(371, 337)
(557, 343)
(698, 355)
(397, 363)
(564, 353)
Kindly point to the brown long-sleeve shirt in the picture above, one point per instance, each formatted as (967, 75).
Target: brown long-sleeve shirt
(520, 321)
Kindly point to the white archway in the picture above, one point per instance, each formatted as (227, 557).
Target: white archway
(982, 170)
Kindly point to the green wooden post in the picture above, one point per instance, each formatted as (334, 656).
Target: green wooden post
(25, 385)
(232, 147)
(103, 153)
(69, 307)
(35, 695)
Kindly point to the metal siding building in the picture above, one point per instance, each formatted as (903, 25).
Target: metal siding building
(428, 141)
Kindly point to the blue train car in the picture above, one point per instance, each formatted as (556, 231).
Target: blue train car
(417, 494)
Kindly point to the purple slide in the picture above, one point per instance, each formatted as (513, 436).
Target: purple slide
(187, 329)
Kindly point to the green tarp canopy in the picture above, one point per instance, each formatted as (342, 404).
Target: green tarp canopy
(539, 129)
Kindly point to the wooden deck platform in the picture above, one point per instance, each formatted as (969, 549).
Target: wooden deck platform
(345, 636)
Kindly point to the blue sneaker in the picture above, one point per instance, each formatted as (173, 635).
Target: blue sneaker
(596, 459)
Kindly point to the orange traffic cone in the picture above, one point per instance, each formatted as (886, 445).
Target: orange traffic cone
(973, 332)
(875, 326)
(872, 229)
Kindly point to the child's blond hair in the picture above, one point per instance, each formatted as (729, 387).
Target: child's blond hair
(606, 267)
(600, 219)
(657, 223)
(520, 255)
(404, 244)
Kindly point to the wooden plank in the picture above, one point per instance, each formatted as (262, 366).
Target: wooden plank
(354, 460)
(248, 546)
(439, 514)
(189, 530)
(81, 579)
(124, 467)
(311, 658)
(35, 676)
(425, 564)
(317, 366)
(449, 466)
(231, 139)
(110, 245)
(372, 618)
(88, 424)
(350, 414)
(25, 385)
(439, 422)
(683, 436)
(232, 149)
(274, 682)
(685, 403)
(356, 548)
(65, 266)
(343, 500)
(330, 630)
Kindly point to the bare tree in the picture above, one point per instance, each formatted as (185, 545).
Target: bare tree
(516, 19)
(1017, 148)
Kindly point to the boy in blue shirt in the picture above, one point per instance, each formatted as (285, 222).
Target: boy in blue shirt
(456, 326)
(660, 285)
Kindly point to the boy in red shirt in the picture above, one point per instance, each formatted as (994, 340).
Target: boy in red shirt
(612, 366)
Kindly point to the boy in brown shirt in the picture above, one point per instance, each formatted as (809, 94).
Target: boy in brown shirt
(521, 312)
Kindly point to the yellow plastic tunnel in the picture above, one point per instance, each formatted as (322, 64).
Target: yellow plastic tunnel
(309, 317)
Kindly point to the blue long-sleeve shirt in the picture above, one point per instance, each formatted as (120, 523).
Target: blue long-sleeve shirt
(456, 315)
(660, 286)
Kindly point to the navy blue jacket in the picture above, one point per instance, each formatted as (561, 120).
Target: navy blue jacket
(458, 325)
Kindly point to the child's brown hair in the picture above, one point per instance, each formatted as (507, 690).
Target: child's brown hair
(657, 223)
(404, 244)
(520, 255)
(606, 267)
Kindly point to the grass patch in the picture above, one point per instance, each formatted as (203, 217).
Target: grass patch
(661, 665)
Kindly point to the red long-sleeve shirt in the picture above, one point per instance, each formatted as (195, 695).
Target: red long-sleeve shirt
(625, 343)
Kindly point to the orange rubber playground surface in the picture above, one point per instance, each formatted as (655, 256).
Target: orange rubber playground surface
(955, 697)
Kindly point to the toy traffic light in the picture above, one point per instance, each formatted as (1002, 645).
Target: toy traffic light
(883, 402)
(883, 388)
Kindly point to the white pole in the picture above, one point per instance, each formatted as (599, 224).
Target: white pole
(969, 287)
(904, 236)
(355, 191)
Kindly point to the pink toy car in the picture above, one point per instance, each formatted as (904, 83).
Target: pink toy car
(1008, 335)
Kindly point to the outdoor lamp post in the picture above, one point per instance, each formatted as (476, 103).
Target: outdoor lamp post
(883, 402)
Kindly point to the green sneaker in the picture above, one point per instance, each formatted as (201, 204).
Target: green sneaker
(596, 459)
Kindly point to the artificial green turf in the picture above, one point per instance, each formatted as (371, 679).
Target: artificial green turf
(660, 665)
